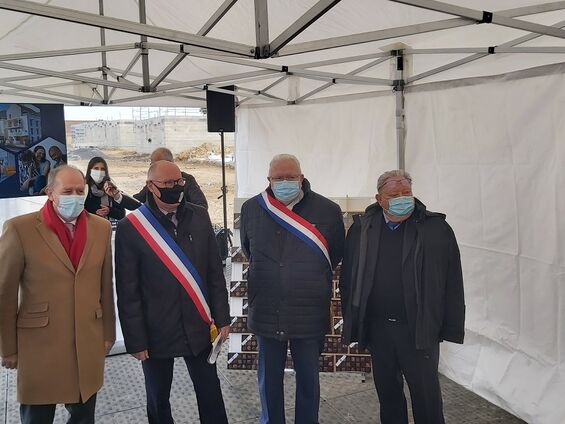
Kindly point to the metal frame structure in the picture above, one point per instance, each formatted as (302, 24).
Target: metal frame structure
(255, 58)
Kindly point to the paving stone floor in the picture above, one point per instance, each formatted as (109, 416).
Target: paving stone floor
(345, 398)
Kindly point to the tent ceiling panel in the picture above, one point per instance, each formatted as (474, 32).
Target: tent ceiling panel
(30, 35)
(545, 41)
(184, 15)
(237, 25)
(344, 89)
(348, 18)
(23, 33)
(503, 63)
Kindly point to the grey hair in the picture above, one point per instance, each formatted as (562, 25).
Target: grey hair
(52, 177)
(165, 153)
(397, 173)
(281, 157)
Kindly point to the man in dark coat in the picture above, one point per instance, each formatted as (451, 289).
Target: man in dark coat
(159, 320)
(290, 285)
(402, 294)
(192, 191)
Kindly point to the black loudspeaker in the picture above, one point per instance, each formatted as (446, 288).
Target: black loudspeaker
(221, 110)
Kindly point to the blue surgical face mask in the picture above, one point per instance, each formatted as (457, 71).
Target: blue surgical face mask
(401, 206)
(70, 206)
(286, 191)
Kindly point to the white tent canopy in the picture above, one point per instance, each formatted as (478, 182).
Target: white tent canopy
(54, 50)
(467, 95)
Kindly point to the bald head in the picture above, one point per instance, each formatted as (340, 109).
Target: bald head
(161, 153)
(66, 174)
(163, 171)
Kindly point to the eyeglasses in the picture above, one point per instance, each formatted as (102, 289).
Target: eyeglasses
(286, 178)
(170, 183)
(396, 182)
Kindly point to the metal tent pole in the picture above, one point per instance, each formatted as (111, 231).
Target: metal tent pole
(224, 186)
(144, 51)
(400, 112)
(103, 53)
(224, 196)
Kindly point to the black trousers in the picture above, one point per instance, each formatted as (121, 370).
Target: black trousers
(394, 355)
(81, 413)
(159, 376)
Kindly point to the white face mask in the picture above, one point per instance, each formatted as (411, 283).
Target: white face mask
(70, 206)
(97, 175)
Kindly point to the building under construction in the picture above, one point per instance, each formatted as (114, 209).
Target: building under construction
(177, 129)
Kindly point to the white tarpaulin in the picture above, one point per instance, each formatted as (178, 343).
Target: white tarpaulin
(50, 50)
(495, 163)
(330, 139)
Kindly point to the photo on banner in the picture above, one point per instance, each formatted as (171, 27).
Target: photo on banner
(32, 143)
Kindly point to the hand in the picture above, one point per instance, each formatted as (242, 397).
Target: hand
(224, 333)
(110, 189)
(10, 362)
(141, 356)
(103, 211)
(108, 345)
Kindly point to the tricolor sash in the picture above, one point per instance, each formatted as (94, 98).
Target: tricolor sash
(174, 259)
(295, 224)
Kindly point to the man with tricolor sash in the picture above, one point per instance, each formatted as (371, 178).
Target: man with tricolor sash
(293, 238)
(172, 296)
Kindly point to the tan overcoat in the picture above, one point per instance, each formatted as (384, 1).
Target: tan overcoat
(62, 318)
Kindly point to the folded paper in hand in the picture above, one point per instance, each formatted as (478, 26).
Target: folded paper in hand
(216, 348)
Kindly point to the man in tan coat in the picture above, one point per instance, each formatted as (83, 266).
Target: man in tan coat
(57, 319)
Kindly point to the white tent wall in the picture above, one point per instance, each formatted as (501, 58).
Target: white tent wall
(493, 160)
(341, 146)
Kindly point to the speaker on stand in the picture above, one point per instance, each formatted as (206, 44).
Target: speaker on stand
(220, 106)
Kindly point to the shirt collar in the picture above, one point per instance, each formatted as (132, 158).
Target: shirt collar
(167, 212)
(297, 200)
(392, 225)
(74, 221)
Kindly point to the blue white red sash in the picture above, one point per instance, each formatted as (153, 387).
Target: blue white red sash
(171, 255)
(295, 224)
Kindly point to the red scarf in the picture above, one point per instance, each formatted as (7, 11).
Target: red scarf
(74, 246)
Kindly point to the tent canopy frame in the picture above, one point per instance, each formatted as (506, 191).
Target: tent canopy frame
(200, 45)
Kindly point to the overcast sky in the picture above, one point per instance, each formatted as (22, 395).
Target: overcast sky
(93, 113)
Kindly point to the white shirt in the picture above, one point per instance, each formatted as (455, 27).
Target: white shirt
(295, 201)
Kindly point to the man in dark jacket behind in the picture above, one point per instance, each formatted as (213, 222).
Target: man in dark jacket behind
(293, 238)
(402, 294)
(192, 191)
(160, 319)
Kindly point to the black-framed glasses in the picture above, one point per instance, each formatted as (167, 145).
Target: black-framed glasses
(170, 183)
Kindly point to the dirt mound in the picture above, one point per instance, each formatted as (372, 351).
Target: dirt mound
(201, 152)
(85, 153)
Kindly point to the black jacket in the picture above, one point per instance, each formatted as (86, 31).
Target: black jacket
(117, 210)
(155, 311)
(192, 192)
(289, 284)
(432, 280)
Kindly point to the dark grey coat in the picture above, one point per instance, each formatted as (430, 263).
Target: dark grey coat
(289, 284)
(155, 311)
(432, 280)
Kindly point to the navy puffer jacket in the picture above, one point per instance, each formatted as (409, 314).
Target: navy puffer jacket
(289, 283)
